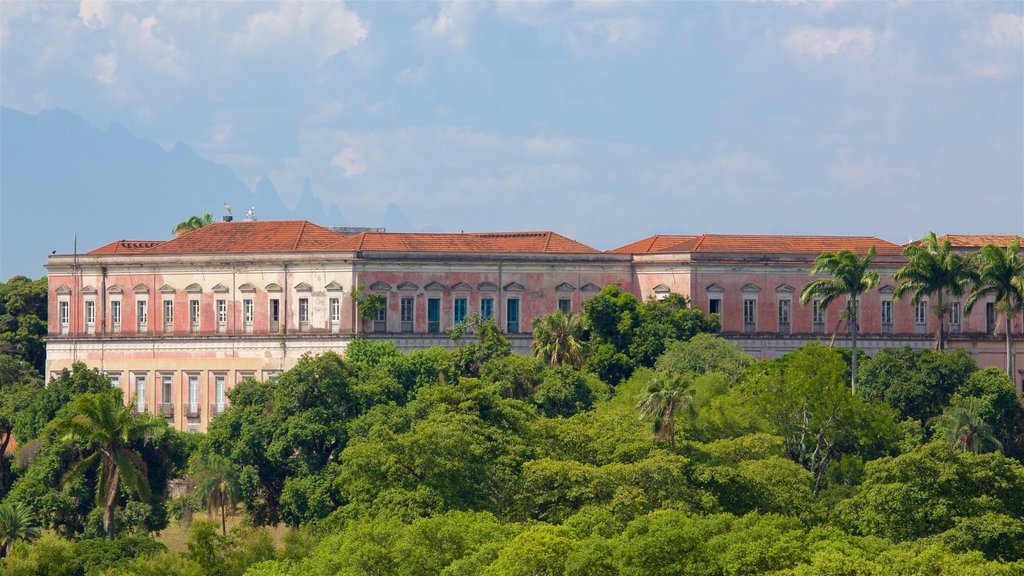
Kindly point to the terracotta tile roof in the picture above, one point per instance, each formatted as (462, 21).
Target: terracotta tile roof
(483, 242)
(749, 244)
(251, 237)
(651, 244)
(126, 247)
(977, 240)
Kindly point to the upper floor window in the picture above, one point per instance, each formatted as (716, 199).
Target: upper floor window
(63, 307)
(886, 316)
(168, 313)
(115, 314)
(487, 308)
(222, 314)
(749, 315)
(920, 316)
(407, 311)
(512, 316)
(433, 315)
(193, 314)
(785, 308)
(818, 315)
(565, 305)
(303, 311)
(247, 311)
(380, 320)
(335, 309)
(954, 313)
(90, 313)
(142, 314)
(460, 310)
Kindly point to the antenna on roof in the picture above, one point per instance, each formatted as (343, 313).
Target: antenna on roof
(250, 215)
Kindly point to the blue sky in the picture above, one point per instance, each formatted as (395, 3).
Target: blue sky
(605, 121)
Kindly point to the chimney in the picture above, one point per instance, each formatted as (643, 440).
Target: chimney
(228, 218)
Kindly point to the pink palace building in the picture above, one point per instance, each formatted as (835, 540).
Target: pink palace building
(176, 323)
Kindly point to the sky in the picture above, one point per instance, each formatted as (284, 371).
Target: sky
(604, 121)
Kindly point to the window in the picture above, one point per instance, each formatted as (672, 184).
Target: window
(954, 317)
(785, 307)
(303, 310)
(140, 393)
(715, 305)
(487, 308)
(193, 314)
(142, 314)
(115, 379)
(247, 313)
(90, 316)
(275, 315)
(818, 316)
(990, 318)
(222, 315)
(749, 315)
(886, 316)
(380, 321)
(460, 310)
(433, 315)
(193, 395)
(512, 316)
(335, 307)
(921, 317)
(115, 315)
(218, 394)
(168, 315)
(64, 315)
(407, 311)
(564, 305)
(166, 395)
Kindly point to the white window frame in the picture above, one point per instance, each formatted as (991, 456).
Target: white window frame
(64, 315)
(303, 313)
(248, 313)
(142, 315)
(90, 316)
(921, 313)
(168, 314)
(194, 314)
(749, 314)
(220, 383)
(139, 383)
(411, 322)
(785, 315)
(115, 314)
(194, 392)
(886, 314)
(222, 314)
(334, 308)
(115, 379)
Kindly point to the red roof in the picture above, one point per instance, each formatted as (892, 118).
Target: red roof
(251, 237)
(126, 247)
(483, 242)
(979, 240)
(748, 244)
(650, 244)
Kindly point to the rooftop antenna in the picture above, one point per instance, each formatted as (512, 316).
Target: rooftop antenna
(250, 215)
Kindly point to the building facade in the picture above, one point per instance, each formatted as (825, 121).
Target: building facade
(177, 323)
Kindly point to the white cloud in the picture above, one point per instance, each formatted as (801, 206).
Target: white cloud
(1006, 29)
(989, 70)
(104, 68)
(95, 14)
(331, 28)
(145, 40)
(350, 162)
(412, 76)
(607, 32)
(451, 24)
(820, 42)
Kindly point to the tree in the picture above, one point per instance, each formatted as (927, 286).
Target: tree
(106, 426)
(216, 484)
(933, 268)
(918, 383)
(17, 522)
(192, 223)
(963, 427)
(1001, 275)
(666, 394)
(850, 278)
(558, 339)
(19, 384)
(23, 319)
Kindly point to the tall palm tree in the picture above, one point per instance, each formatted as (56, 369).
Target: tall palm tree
(933, 268)
(558, 338)
(1001, 275)
(963, 427)
(850, 278)
(216, 485)
(192, 223)
(665, 395)
(107, 426)
(17, 522)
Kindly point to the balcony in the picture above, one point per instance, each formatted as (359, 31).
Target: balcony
(192, 410)
(954, 328)
(749, 327)
(784, 327)
(887, 328)
(217, 408)
(819, 327)
(165, 409)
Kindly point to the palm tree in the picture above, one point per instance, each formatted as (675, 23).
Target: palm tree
(850, 278)
(107, 427)
(216, 485)
(17, 522)
(665, 395)
(1001, 275)
(933, 268)
(963, 428)
(192, 223)
(558, 338)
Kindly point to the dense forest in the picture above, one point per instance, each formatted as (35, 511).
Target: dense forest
(636, 442)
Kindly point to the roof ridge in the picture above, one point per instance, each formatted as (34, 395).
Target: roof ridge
(547, 242)
(700, 240)
(298, 238)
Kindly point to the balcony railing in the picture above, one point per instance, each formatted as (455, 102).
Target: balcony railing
(954, 328)
(749, 327)
(784, 327)
(217, 408)
(165, 409)
(192, 410)
(887, 328)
